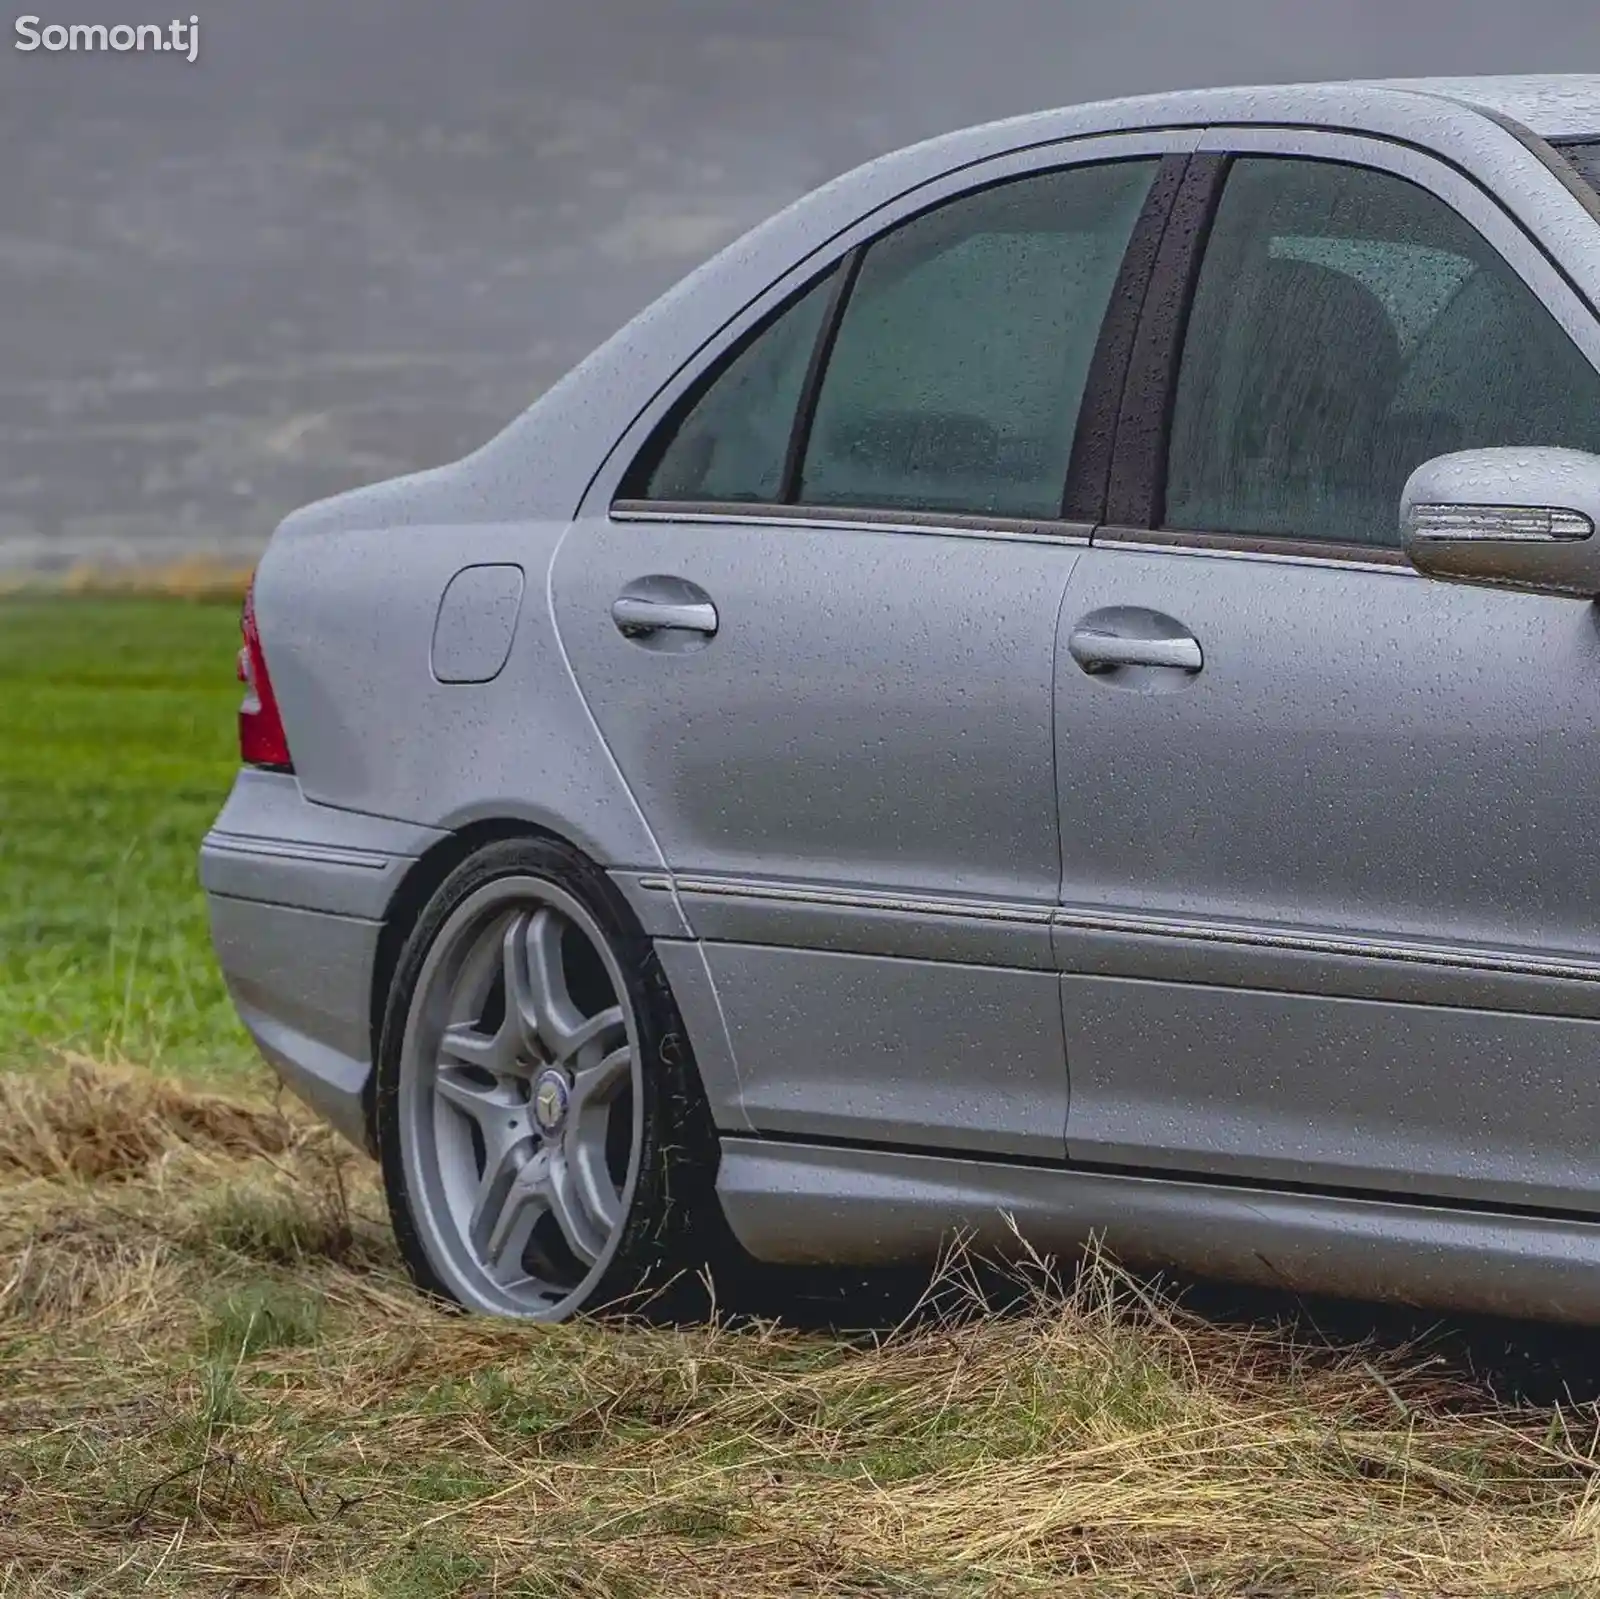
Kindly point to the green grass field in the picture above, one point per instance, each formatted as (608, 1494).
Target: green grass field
(117, 748)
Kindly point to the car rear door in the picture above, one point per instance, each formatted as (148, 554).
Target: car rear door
(813, 610)
(1328, 902)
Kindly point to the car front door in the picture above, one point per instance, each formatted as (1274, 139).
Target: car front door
(1328, 899)
(815, 621)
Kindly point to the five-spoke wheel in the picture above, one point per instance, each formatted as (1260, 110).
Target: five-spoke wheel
(516, 1118)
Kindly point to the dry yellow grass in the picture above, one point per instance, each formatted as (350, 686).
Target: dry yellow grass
(198, 577)
(213, 1380)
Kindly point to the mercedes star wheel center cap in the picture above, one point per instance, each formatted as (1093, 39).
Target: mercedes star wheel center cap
(550, 1102)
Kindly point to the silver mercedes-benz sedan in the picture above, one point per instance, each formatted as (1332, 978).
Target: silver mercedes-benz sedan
(1051, 690)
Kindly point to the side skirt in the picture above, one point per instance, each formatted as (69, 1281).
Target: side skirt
(826, 1205)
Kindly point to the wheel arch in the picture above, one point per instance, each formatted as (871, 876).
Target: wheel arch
(428, 872)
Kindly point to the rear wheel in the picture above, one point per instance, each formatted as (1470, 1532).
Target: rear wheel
(544, 1143)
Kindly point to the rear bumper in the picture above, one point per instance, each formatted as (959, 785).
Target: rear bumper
(301, 982)
(297, 894)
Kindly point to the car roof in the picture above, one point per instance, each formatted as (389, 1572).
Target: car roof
(1555, 105)
(547, 460)
(1550, 105)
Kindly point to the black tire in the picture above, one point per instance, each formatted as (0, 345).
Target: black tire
(672, 1231)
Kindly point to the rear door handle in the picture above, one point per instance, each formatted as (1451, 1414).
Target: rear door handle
(1097, 650)
(635, 615)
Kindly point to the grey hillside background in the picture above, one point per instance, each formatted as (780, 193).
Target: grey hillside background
(359, 235)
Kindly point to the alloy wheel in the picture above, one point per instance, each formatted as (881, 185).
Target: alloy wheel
(520, 1104)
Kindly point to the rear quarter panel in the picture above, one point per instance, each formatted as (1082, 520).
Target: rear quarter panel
(347, 621)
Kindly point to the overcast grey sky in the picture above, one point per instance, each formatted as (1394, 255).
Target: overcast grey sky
(358, 235)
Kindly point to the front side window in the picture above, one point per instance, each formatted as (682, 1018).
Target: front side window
(960, 364)
(1347, 327)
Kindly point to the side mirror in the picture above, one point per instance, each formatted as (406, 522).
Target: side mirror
(1518, 518)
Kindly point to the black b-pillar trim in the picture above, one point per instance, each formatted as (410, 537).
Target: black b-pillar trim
(1094, 441)
(1136, 492)
(811, 386)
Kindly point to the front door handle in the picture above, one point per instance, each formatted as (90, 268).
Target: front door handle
(635, 616)
(1096, 650)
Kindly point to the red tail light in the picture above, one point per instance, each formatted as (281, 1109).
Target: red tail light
(261, 736)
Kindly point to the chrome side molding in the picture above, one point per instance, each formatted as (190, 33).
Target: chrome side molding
(1141, 924)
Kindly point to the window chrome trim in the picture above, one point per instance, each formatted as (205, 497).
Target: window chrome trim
(852, 519)
(1276, 551)
(1141, 924)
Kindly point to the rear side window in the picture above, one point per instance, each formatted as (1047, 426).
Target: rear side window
(1347, 327)
(734, 439)
(960, 364)
(954, 369)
